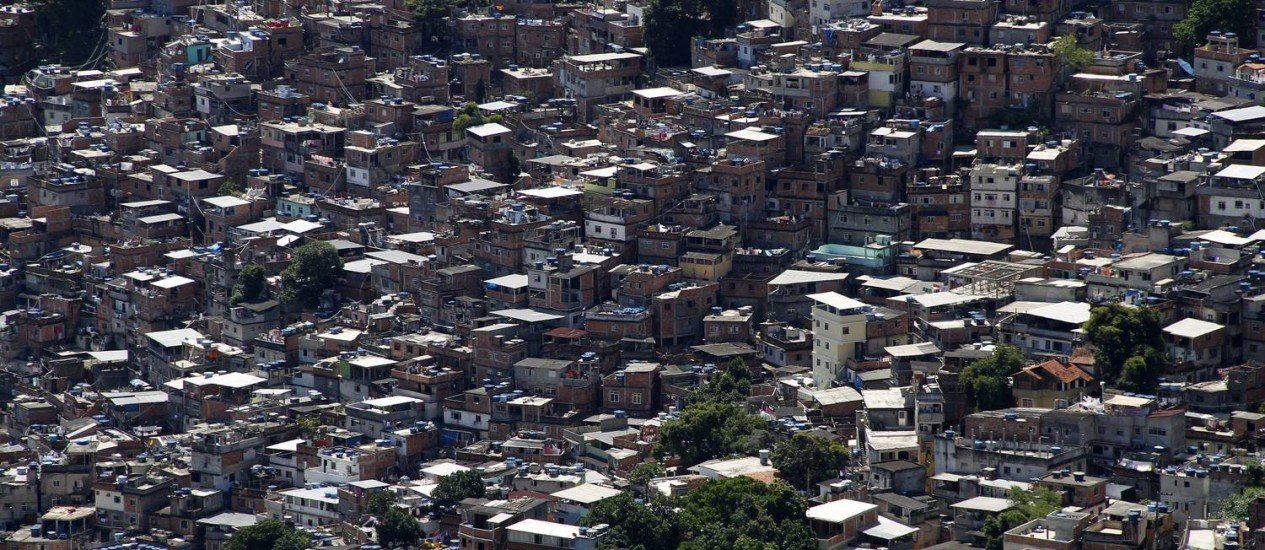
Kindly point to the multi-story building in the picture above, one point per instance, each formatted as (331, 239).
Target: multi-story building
(596, 79)
(886, 58)
(933, 71)
(960, 20)
(995, 201)
(499, 251)
(1217, 61)
(601, 29)
(839, 336)
(334, 75)
(1229, 196)
(853, 221)
(679, 312)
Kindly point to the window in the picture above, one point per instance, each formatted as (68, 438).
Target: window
(613, 397)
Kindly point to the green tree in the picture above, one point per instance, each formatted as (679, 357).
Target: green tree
(743, 512)
(671, 24)
(308, 425)
(708, 430)
(995, 528)
(1205, 16)
(399, 530)
(431, 16)
(269, 534)
(634, 525)
(230, 187)
(1141, 373)
(641, 474)
(381, 502)
(806, 459)
(987, 380)
(1255, 473)
(71, 31)
(454, 488)
(314, 268)
(297, 541)
(731, 385)
(469, 116)
(1237, 506)
(1028, 505)
(1035, 503)
(1070, 54)
(251, 284)
(1118, 333)
(428, 10)
(515, 167)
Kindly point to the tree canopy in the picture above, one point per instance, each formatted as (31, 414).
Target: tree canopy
(671, 24)
(1129, 344)
(230, 187)
(469, 115)
(1205, 16)
(731, 385)
(269, 534)
(1028, 505)
(635, 526)
(1237, 506)
(747, 513)
(1035, 503)
(641, 474)
(381, 502)
(719, 515)
(71, 31)
(708, 430)
(1255, 473)
(430, 15)
(987, 380)
(314, 268)
(251, 284)
(806, 459)
(308, 426)
(1070, 54)
(454, 488)
(399, 530)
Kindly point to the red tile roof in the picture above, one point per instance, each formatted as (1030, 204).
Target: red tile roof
(1057, 370)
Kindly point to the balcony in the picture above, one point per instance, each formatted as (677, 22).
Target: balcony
(469, 530)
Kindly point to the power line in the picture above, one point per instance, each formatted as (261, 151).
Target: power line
(339, 79)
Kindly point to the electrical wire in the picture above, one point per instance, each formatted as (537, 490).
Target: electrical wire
(339, 79)
(105, 37)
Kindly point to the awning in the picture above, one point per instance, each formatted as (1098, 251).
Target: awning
(1190, 132)
(889, 529)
